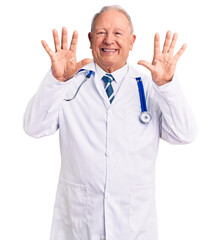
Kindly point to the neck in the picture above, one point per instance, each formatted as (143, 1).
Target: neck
(110, 69)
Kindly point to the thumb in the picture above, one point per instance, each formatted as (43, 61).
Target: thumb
(146, 64)
(82, 63)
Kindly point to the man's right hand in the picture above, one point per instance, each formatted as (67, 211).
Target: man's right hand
(63, 60)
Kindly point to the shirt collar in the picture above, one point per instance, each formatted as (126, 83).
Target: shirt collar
(118, 74)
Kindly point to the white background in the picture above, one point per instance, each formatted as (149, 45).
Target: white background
(188, 177)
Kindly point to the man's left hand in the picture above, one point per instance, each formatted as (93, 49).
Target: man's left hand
(164, 63)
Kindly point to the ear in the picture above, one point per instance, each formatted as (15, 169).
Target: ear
(90, 38)
(132, 40)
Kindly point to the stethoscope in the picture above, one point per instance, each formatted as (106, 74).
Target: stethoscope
(145, 116)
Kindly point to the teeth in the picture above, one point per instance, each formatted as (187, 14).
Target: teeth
(109, 50)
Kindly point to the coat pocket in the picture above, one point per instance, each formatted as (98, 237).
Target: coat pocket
(141, 207)
(73, 204)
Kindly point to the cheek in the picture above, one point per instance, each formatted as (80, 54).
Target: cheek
(97, 41)
(95, 48)
(96, 45)
(124, 45)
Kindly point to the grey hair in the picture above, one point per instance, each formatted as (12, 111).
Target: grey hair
(115, 7)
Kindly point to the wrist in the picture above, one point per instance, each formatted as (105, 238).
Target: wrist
(60, 79)
(162, 82)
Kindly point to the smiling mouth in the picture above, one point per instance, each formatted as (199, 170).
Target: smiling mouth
(108, 50)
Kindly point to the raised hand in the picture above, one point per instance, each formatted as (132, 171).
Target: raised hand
(63, 60)
(164, 63)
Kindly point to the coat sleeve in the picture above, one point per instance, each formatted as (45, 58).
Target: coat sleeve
(41, 115)
(177, 122)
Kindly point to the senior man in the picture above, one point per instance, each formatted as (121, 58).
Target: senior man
(106, 187)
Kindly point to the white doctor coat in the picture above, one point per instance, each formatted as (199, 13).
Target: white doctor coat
(106, 187)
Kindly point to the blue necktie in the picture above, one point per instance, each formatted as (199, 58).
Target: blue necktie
(108, 78)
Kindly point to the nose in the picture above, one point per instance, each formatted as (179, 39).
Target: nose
(109, 38)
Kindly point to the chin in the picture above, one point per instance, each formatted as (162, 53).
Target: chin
(108, 63)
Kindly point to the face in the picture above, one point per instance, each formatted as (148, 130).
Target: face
(111, 40)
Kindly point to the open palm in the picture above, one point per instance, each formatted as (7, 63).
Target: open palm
(164, 63)
(63, 60)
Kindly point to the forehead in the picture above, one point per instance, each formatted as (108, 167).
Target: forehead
(111, 19)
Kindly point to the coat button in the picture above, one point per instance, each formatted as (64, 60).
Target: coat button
(107, 195)
(108, 153)
(109, 112)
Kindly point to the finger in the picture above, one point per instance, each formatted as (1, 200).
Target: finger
(167, 42)
(56, 40)
(47, 48)
(146, 64)
(156, 44)
(173, 43)
(180, 52)
(82, 63)
(74, 41)
(64, 38)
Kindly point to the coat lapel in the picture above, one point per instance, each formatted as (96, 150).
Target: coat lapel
(101, 91)
(98, 85)
(126, 90)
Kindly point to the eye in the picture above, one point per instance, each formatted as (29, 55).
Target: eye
(118, 34)
(101, 33)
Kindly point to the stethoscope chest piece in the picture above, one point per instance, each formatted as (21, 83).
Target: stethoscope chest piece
(145, 117)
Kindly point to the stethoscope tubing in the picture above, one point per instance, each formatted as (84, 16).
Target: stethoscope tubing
(145, 117)
(141, 93)
(86, 78)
